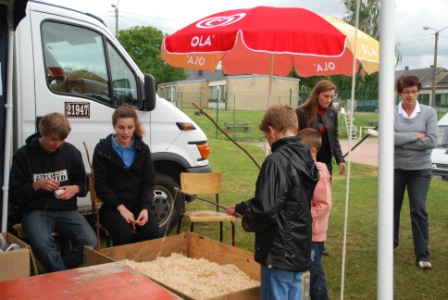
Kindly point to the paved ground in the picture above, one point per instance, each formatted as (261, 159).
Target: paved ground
(365, 153)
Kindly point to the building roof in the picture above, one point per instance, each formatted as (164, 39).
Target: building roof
(208, 76)
(426, 75)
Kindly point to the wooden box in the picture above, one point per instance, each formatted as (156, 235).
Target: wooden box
(191, 245)
(17, 263)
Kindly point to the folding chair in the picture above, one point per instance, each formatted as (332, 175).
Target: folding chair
(210, 184)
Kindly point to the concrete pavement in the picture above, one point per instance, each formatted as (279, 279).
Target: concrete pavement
(365, 153)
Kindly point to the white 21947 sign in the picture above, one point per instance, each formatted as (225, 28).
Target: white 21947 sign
(77, 110)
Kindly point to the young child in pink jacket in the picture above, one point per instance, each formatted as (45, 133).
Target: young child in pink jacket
(320, 211)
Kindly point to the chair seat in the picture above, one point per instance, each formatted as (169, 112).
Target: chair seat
(21, 233)
(208, 216)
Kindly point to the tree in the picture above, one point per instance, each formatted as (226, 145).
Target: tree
(368, 16)
(366, 86)
(143, 45)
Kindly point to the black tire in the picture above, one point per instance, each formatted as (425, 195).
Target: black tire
(167, 209)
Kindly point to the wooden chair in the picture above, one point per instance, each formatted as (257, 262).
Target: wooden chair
(22, 235)
(96, 202)
(209, 184)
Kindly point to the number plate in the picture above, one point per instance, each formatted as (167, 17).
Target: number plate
(77, 110)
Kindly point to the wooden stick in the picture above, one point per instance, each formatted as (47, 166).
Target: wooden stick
(232, 140)
(206, 200)
(93, 195)
(363, 139)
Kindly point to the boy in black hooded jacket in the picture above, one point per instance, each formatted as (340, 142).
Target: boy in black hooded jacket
(47, 174)
(280, 212)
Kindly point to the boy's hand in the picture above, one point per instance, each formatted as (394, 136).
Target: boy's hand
(46, 184)
(69, 191)
(231, 210)
(342, 168)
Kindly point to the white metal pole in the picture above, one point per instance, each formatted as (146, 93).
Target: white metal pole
(385, 259)
(8, 130)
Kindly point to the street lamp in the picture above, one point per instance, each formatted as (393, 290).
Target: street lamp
(115, 6)
(432, 102)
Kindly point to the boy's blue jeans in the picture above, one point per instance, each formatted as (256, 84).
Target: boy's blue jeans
(39, 224)
(318, 289)
(284, 285)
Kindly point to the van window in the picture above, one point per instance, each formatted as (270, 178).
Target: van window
(442, 140)
(76, 64)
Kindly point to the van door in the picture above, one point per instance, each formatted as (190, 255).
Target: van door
(79, 72)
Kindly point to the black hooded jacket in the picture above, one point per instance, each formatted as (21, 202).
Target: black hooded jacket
(31, 163)
(116, 184)
(280, 212)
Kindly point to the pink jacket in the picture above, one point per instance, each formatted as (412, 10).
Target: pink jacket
(321, 204)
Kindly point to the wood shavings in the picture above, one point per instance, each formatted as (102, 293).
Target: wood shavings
(197, 278)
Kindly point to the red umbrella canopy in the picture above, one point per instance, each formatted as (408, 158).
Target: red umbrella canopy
(266, 40)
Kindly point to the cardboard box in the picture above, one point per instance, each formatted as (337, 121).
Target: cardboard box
(17, 263)
(191, 245)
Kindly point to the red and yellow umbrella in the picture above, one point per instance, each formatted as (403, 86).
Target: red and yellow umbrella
(271, 40)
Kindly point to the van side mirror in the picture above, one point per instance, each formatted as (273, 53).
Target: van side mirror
(149, 103)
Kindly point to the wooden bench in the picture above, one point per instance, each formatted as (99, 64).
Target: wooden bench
(231, 126)
(372, 122)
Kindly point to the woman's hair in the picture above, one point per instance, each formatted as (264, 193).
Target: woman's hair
(280, 116)
(310, 137)
(128, 111)
(408, 81)
(311, 104)
(54, 125)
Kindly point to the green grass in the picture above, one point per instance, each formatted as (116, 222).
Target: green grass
(239, 176)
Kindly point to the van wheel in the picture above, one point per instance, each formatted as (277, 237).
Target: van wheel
(166, 208)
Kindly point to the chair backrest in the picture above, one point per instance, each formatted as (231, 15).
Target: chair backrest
(200, 183)
(93, 197)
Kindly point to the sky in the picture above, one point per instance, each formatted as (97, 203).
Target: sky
(415, 45)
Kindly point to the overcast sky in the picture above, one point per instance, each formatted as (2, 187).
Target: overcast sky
(415, 44)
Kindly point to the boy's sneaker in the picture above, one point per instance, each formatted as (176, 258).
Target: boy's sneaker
(425, 265)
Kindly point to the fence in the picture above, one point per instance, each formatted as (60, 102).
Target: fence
(252, 100)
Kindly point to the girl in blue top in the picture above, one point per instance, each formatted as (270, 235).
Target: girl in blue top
(124, 180)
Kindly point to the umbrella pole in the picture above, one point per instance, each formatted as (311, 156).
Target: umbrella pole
(265, 144)
(270, 81)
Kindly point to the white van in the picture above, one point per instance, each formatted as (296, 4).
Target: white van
(62, 60)
(439, 155)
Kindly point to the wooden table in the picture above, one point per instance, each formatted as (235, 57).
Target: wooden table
(107, 281)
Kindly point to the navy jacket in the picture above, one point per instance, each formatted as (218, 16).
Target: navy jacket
(116, 184)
